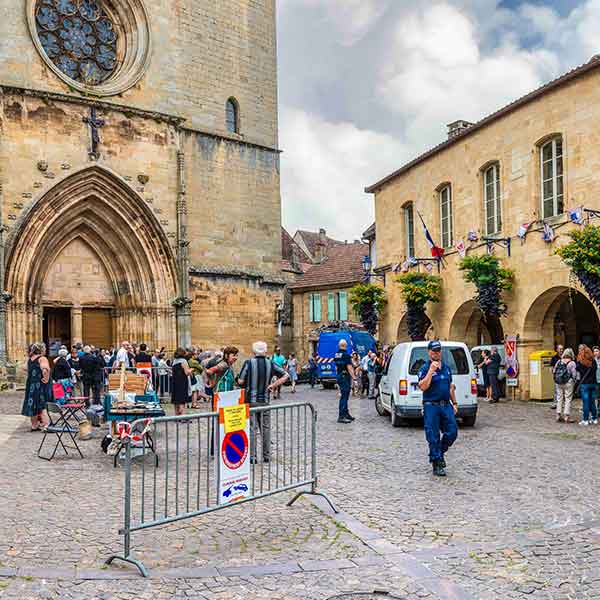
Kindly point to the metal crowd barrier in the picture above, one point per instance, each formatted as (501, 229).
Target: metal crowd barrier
(181, 481)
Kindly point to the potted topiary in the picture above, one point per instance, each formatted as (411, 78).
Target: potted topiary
(417, 290)
(582, 256)
(490, 279)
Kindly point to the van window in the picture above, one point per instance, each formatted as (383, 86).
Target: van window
(454, 357)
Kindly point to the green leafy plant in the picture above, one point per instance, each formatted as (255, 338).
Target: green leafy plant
(490, 279)
(582, 256)
(368, 302)
(418, 289)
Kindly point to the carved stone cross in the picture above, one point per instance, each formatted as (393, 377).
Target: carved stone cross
(95, 125)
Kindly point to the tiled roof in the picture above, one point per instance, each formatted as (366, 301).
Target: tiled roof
(343, 266)
(311, 239)
(593, 63)
(291, 251)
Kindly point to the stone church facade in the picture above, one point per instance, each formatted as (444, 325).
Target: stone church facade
(139, 173)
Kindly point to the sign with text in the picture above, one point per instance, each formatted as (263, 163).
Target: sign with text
(234, 459)
(512, 361)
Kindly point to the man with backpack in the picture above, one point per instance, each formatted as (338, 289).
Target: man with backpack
(565, 376)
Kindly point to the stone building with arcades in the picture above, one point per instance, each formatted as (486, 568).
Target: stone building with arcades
(512, 183)
(139, 173)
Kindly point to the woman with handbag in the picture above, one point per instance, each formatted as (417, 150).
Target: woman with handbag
(37, 388)
(586, 367)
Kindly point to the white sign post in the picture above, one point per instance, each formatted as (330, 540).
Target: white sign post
(234, 451)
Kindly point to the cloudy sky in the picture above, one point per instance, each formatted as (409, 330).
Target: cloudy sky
(365, 85)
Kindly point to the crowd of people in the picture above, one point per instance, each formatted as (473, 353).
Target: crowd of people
(576, 375)
(191, 376)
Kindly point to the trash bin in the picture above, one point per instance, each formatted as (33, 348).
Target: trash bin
(541, 381)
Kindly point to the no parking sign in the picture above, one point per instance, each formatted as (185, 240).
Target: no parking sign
(234, 444)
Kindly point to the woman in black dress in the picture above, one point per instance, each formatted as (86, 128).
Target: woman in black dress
(37, 388)
(181, 385)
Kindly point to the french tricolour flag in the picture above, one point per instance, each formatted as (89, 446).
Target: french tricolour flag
(436, 251)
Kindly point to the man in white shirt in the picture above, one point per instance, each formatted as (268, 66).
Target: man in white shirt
(364, 364)
(122, 357)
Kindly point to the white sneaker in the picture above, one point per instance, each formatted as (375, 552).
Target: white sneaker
(594, 422)
(584, 423)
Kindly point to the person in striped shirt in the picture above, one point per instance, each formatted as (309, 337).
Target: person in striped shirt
(255, 377)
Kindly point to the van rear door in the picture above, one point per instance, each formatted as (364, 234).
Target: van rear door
(457, 360)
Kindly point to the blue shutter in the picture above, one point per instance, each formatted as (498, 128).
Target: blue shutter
(331, 306)
(343, 296)
(317, 307)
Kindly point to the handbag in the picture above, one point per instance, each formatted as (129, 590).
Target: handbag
(193, 379)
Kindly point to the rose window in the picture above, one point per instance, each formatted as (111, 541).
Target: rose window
(79, 37)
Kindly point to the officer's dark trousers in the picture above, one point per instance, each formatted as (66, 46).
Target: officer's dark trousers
(345, 384)
(495, 387)
(441, 430)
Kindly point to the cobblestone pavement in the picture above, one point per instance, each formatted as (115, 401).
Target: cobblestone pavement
(516, 518)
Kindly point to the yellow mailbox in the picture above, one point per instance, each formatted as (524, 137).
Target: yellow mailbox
(541, 381)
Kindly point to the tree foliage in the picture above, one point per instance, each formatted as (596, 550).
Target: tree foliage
(368, 302)
(490, 279)
(418, 289)
(582, 256)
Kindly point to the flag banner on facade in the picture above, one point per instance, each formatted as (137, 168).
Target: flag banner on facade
(576, 215)
(396, 267)
(436, 251)
(548, 235)
(429, 267)
(472, 236)
(523, 229)
(461, 248)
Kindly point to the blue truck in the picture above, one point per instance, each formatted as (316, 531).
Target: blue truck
(358, 341)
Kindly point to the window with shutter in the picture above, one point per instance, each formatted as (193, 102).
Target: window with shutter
(317, 303)
(331, 306)
(343, 306)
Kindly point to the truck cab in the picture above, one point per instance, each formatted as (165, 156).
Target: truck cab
(359, 341)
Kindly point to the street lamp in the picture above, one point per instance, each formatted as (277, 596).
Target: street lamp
(367, 268)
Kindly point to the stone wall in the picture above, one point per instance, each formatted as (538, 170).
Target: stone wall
(541, 282)
(202, 53)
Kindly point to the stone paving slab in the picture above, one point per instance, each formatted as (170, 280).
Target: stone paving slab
(516, 518)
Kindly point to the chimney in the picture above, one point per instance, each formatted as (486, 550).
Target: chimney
(458, 127)
(321, 249)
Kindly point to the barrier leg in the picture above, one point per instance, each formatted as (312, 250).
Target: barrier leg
(126, 531)
(314, 493)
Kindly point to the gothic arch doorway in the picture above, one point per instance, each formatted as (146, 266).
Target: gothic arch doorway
(562, 315)
(469, 326)
(90, 243)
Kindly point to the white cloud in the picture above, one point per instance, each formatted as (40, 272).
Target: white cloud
(431, 62)
(351, 19)
(325, 167)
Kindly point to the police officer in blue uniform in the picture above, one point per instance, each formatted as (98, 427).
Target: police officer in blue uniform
(345, 374)
(439, 407)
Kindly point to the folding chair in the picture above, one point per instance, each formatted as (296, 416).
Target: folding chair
(60, 427)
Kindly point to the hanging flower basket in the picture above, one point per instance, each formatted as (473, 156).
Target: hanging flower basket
(417, 289)
(582, 256)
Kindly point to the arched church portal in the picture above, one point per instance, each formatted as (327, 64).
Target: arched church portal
(89, 262)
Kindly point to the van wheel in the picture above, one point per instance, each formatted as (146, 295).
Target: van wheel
(395, 419)
(328, 385)
(381, 411)
(469, 421)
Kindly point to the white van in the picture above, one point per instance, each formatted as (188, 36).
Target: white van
(399, 393)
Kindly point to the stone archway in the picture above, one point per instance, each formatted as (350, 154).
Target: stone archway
(561, 315)
(468, 326)
(97, 209)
